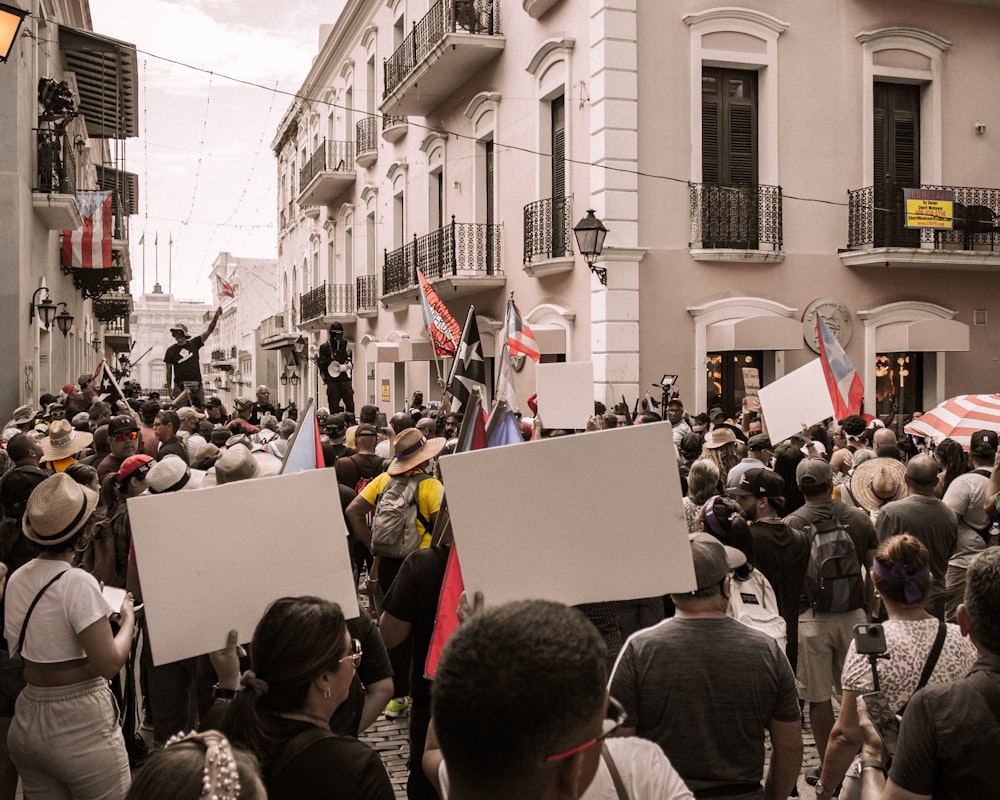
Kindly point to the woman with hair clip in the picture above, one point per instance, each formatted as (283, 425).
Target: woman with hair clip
(198, 765)
(303, 661)
(902, 578)
(65, 739)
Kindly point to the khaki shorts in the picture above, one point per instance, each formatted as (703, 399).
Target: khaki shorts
(823, 642)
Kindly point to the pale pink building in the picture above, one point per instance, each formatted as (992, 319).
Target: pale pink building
(748, 160)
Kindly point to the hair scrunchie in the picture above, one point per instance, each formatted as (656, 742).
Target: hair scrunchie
(257, 685)
(911, 588)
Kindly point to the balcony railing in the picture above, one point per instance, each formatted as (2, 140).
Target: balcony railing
(312, 304)
(736, 217)
(56, 163)
(548, 231)
(367, 137)
(877, 218)
(367, 292)
(392, 120)
(219, 354)
(461, 247)
(272, 326)
(330, 156)
(481, 17)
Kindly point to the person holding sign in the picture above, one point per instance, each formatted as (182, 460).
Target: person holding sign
(65, 739)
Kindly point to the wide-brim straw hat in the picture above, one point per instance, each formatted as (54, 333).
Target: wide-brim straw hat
(413, 449)
(236, 464)
(717, 437)
(64, 441)
(57, 508)
(878, 481)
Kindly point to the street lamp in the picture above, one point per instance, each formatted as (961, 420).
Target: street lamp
(46, 309)
(294, 379)
(283, 380)
(590, 235)
(10, 24)
(64, 320)
(96, 342)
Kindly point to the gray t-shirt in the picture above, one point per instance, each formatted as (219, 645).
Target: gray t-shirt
(965, 497)
(705, 690)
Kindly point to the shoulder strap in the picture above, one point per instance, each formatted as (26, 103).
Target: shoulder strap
(27, 616)
(616, 778)
(297, 745)
(416, 499)
(931, 662)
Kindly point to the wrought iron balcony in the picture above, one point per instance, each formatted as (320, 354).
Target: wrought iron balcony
(219, 354)
(54, 194)
(312, 304)
(272, 326)
(877, 233)
(393, 127)
(548, 230)
(367, 141)
(367, 294)
(454, 40)
(736, 217)
(465, 255)
(327, 173)
(112, 306)
(325, 304)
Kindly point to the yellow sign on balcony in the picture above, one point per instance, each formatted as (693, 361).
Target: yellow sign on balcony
(929, 208)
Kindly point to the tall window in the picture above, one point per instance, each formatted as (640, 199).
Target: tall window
(558, 111)
(896, 144)
(725, 374)
(729, 158)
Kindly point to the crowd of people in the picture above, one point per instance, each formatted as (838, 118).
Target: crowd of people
(838, 573)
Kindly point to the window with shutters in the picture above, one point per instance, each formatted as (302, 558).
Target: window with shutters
(896, 160)
(729, 158)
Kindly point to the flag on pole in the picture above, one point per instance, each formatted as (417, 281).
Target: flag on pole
(843, 381)
(225, 287)
(441, 325)
(472, 433)
(446, 620)
(505, 383)
(304, 449)
(520, 339)
(469, 370)
(106, 385)
(89, 247)
(506, 431)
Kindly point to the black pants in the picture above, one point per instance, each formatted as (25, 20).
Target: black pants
(337, 390)
(400, 655)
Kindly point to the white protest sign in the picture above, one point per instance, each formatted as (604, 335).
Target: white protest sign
(544, 520)
(213, 559)
(565, 394)
(800, 398)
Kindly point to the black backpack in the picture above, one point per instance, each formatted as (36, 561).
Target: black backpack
(833, 582)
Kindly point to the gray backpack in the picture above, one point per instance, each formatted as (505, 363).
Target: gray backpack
(394, 528)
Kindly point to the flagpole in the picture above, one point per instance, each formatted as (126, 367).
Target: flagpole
(504, 332)
(465, 330)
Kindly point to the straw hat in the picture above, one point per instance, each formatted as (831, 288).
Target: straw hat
(720, 436)
(57, 508)
(63, 441)
(413, 449)
(235, 464)
(171, 474)
(878, 481)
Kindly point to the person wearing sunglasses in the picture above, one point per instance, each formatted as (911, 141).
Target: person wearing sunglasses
(123, 442)
(520, 709)
(303, 661)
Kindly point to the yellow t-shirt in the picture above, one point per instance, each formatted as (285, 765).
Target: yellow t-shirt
(429, 496)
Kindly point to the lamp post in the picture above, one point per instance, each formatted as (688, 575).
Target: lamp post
(294, 379)
(46, 308)
(64, 320)
(10, 25)
(590, 235)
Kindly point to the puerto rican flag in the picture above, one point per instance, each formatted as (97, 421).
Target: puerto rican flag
(520, 339)
(90, 246)
(225, 287)
(843, 381)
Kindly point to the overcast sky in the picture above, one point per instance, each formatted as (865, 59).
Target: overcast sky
(206, 171)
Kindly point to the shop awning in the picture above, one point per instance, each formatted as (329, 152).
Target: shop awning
(923, 336)
(754, 333)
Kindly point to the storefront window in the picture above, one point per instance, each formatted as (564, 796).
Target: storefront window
(899, 384)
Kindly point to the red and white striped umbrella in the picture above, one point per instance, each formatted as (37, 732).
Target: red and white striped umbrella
(958, 418)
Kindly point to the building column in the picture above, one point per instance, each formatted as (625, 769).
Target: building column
(614, 196)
